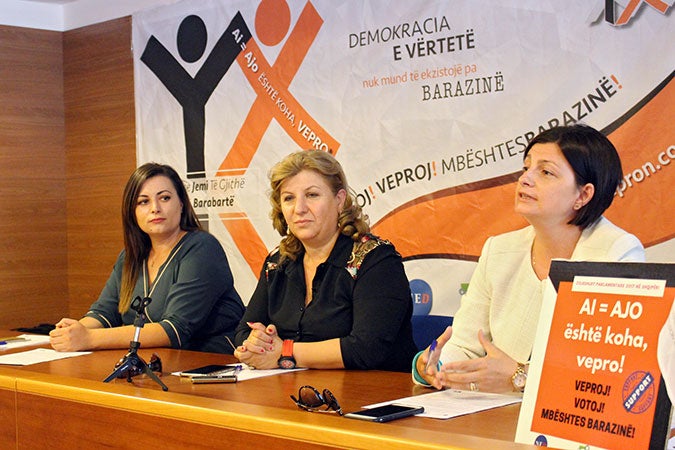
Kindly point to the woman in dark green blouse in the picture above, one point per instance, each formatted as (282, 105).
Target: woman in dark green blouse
(168, 258)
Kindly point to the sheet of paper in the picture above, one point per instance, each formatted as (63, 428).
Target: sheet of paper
(37, 356)
(452, 402)
(29, 340)
(248, 374)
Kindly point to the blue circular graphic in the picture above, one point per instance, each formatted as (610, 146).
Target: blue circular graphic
(541, 441)
(422, 297)
(638, 392)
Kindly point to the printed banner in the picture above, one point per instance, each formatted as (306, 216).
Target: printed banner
(594, 380)
(428, 106)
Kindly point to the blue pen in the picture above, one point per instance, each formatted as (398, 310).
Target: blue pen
(6, 341)
(232, 369)
(432, 349)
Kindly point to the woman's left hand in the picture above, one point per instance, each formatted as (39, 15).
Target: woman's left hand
(491, 373)
(69, 335)
(262, 347)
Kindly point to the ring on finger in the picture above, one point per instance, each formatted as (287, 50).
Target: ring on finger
(473, 387)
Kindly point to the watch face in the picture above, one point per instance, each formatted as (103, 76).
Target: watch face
(519, 380)
(286, 362)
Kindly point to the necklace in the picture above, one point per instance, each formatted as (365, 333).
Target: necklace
(154, 283)
(159, 257)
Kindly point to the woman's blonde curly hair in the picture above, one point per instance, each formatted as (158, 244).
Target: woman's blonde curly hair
(351, 220)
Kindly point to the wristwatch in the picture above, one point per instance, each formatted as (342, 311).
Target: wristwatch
(287, 361)
(519, 378)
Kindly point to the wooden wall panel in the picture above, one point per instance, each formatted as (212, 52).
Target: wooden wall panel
(100, 151)
(33, 263)
(67, 147)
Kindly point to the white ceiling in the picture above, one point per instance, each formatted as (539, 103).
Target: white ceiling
(58, 2)
(64, 15)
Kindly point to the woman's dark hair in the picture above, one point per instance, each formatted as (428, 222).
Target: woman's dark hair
(351, 221)
(594, 160)
(137, 243)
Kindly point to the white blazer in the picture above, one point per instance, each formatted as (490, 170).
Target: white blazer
(504, 295)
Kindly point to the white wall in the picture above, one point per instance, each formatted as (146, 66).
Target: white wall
(67, 15)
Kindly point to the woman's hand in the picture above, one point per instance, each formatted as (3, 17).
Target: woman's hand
(262, 347)
(70, 335)
(427, 363)
(491, 373)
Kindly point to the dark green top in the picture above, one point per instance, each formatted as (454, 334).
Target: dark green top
(193, 297)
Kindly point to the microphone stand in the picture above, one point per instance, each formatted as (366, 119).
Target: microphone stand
(131, 364)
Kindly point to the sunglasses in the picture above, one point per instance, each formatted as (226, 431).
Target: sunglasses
(312, 400)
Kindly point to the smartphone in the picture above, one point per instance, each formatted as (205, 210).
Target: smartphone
(211, 369)
(206, 379)
(386, 413)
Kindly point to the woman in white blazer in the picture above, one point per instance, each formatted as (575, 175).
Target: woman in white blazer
(569, 178)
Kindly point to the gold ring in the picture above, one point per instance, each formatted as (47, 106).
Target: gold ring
(473, 386)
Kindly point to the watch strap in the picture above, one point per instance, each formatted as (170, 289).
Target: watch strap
(286, 360)
(287, 348)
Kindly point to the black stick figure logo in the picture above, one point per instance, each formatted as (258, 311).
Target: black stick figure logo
(193, 93)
